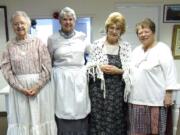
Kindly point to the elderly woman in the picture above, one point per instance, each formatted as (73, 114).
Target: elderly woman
(153, 77)
(108, 63)
(26, 66)
(67, 49)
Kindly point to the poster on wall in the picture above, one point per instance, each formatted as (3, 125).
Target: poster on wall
(171, 13)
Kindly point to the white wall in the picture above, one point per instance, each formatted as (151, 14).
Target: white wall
(97, 9)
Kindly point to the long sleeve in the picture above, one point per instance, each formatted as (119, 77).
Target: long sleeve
(8, 73)
(45, 62)
(126, 54)
(125, 58)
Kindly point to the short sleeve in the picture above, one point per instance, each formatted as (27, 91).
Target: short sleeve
(168, 66)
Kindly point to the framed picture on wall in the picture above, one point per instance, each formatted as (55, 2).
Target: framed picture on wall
(171, 13)
(176, 42)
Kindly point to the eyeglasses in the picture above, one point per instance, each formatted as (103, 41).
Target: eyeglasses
(19, 24)
(144, 32)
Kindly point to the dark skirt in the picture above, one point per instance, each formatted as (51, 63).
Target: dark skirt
(72, 127)
(108, 114)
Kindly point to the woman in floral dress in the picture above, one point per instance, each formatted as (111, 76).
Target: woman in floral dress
(26, 66)
(107, 69)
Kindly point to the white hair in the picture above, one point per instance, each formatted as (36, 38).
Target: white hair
(23, 14)
(67, 11)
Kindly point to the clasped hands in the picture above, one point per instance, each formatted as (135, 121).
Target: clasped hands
(111, 69)
(31, 92)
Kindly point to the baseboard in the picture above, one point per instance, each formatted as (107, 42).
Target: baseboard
(3, 114)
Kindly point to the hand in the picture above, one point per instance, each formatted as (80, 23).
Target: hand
(25, 92)
(168, 98)
(30, 92)
(33, 91)
(110, 69)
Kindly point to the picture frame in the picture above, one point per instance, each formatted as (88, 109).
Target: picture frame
(176, 42)
(171, 13)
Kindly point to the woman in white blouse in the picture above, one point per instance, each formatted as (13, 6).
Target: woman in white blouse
(153, 78)
(67, 49)
(108, 64)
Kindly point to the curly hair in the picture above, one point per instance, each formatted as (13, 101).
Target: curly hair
(118, 19)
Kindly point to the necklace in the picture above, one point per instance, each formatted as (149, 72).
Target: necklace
(67, 35)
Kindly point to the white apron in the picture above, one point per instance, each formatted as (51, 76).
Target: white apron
(71, 92)
(31, 115)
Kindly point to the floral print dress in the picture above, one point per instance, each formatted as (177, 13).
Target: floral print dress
(24, 64)
(108, 114)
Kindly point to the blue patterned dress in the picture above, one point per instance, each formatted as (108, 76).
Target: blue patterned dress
(108, 115)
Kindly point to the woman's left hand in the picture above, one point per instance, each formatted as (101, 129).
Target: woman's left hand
(168, 98)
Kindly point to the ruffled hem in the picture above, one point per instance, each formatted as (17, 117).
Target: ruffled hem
(48, 128)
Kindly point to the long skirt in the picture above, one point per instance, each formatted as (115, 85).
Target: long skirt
(31, 115)
(145, 120)
(72, 127)
(72, 103)
(108, 113)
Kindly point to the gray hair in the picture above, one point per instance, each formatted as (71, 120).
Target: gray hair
(23, 14)
(67, 11)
